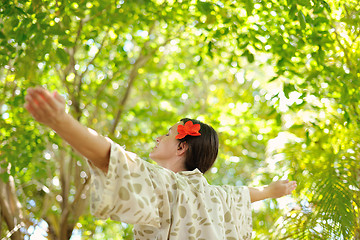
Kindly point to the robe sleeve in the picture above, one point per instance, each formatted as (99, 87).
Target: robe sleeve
(241, 209)
(127, 192)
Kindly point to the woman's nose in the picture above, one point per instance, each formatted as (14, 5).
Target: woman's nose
(158, 139)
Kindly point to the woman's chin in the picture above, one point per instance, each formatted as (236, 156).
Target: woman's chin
(151, 155)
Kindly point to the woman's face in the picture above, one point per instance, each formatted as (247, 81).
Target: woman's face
(166, 146)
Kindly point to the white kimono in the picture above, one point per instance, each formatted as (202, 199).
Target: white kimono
(164, 205)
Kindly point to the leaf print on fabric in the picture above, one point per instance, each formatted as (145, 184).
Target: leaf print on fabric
(165, 205)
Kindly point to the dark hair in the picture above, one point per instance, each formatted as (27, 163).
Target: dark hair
(203, 150)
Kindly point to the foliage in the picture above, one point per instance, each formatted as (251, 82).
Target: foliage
(279, 81)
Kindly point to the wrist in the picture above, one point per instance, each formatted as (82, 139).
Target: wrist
(268, 193)
(61, 123)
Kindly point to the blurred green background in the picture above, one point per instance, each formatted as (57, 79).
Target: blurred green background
(279, 80)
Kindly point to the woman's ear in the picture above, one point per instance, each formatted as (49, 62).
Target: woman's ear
(182, 148)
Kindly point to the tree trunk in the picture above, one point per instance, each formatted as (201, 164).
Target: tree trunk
(11, 209)
(70, 174)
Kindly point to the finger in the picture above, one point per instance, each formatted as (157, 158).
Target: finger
(29, 90)
(43, 105)
(30, 97)
(31, 111)
(37, 88)
(59, 97)
(284, 181)
(47, 97)
(292, 187)
(37, 104)
(31, 104)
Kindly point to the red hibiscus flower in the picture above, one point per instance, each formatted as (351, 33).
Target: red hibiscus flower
(188, 129)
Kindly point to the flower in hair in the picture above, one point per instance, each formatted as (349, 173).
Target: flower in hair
(188, 129)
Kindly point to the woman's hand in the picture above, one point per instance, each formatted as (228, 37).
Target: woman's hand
(45, 107)
(280, 188)
(49, 109)
(274, 190)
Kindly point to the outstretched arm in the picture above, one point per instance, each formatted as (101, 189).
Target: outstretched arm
(49, 109)
(274, 190)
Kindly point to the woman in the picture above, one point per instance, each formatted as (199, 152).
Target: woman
(171, 200)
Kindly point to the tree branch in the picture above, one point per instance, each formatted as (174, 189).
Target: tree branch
(81, 24)
(71, 68)
(140, 62)
(64, 180)
(132, 76)
(98, 13)
(1, 217)
(11, 208)
(80, 189)
(96, 55)
(51, 230)
(80, 78)
(346, 53)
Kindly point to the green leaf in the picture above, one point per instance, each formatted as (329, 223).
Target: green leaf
(66, 42)
(249, 6)
(326, 5)
(209, 52)
(21, 11)
(15, 22)
(302, 19)
(200, 61)
(66, 21)
(292, 11)
(40, 16)
(204, 7)
(278, 120)
(306, 3)
(321, 20)
(62, 55)
(250, 57)
(20, 37)
(308, 139)
(287, 89)
(274, 78)
(347, 117)
(4, 177)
